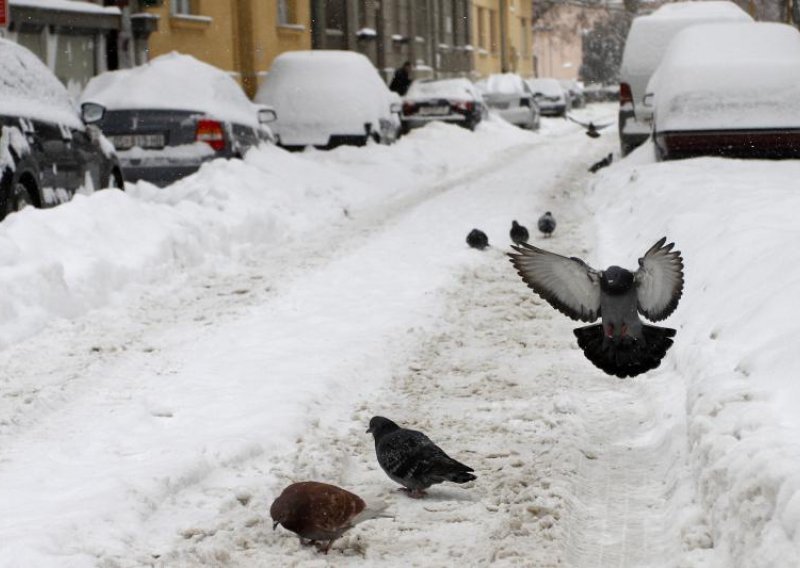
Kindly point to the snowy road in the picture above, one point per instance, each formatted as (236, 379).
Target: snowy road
(156, 429)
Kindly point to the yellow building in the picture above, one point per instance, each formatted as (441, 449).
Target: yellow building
(238, 36)
(502, 37)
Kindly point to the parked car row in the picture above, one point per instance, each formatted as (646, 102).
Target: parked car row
(163, 120)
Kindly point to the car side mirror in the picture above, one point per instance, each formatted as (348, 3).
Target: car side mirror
(648, 99)
(267, 115)
(92, 112)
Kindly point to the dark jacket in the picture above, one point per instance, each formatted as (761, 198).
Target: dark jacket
(400, 82)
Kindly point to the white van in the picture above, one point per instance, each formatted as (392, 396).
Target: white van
(646, 43)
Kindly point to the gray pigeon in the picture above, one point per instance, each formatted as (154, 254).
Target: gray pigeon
(622, 344)
(547, 224)
(411, 459)
(477, 239)
(518, 233)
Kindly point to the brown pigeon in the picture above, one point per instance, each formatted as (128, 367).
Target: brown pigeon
(321, 512)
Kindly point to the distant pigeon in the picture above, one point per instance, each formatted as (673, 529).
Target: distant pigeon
(321, 512)
(477, 239)
(592, 131)
(518, 233)
(411, 459)
(547, 224)
(622, 344)
(602, 163)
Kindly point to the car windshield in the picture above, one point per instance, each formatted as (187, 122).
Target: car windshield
(28, 89)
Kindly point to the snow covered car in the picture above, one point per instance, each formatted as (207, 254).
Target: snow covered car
(447, 100)
(326, 98)
(729, 90)
(648, 39)
(509, 96)
(575, 93)
(549, 95)
(46, 152)
(169, 116)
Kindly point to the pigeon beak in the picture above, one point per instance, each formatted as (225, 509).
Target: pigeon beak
(275, 525)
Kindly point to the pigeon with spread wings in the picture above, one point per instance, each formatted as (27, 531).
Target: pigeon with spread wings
(592, 130)
(621, 344)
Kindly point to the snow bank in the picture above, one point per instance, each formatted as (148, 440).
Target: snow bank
(173, 81)
(61, 262)
(735, 223)
(729, 76)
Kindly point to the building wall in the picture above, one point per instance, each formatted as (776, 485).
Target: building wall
(502, 37)
(239, 36)
(558, 40)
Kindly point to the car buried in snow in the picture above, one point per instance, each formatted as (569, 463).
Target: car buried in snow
(329, 98)
(730, 90)
(456, 101)
(549, 95)
(170, 116)
(47, 153)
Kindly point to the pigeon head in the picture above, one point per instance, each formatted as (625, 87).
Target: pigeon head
(616, 280)
(514, 223)
(380, 426)
(279, 511)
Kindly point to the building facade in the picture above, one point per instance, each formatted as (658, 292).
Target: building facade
(434, 35)
(238, 36)
(78, 39)
(502, 37)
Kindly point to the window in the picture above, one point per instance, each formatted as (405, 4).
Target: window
(75, 61)
(184, 7)
(481, 17)
(287, 13)
(493, 47)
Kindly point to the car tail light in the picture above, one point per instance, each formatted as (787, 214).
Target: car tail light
(625, 94)
(210, 132)
(464, 106)
(409, 108)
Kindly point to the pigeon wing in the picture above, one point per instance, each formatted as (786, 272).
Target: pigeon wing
(568, 284)
(576, 121)
(659, 281)
(399, 453)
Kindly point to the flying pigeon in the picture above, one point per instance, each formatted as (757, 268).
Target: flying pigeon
(622, 344)
(602, 163)
(592, 131)
(477, 239)
(411, 459)
(321, 512)
(547, 224)
(518, 233)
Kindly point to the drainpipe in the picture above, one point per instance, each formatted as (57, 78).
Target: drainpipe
(245, 50)
(503, 39)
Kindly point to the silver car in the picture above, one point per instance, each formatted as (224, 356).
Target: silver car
(511, 97)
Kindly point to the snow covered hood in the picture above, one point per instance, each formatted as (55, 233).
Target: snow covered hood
(174, 81)
(729, 76)
(548, 87)
(29, 89)
(319, 93)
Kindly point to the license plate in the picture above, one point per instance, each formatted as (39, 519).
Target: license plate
(125, 141)
(500, 106)
(433, 110)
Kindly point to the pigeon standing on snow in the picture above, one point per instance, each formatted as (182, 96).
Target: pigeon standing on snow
(411, 459)
(547, 224)
(477, 239)
(622, 344)
(321, 512)
(594, 168)
(518, 233)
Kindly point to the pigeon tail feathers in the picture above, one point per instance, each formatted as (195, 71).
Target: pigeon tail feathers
(626, 358)
(375, 509)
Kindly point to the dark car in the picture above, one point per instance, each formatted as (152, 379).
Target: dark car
(447, 100)
(46, 152)
(168, 117)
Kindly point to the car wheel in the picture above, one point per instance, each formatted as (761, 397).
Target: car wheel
(17, 199)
